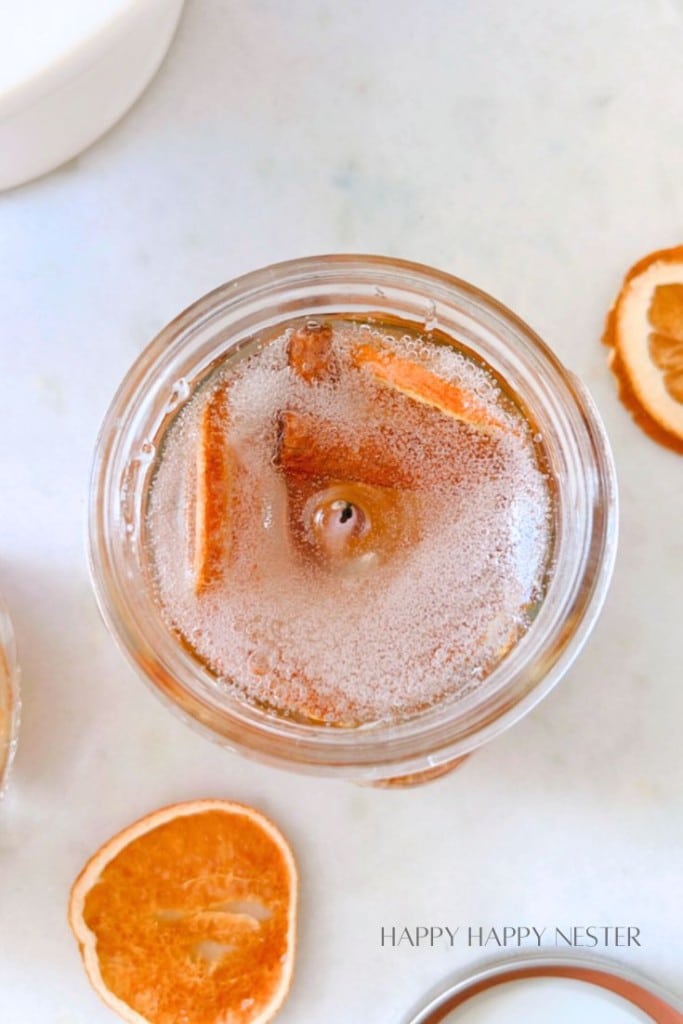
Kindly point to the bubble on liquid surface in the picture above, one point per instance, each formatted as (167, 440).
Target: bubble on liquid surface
(180, 392)
(431, 321)
(262, 660)
(147, 452)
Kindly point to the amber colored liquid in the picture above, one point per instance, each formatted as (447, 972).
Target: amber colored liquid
(332, 539)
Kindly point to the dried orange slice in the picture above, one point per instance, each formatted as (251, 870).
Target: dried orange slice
(644, 332)
(310, 352)
(216, 471)
(308, 446)
(189, 915)
(420, 384)
(311, 447)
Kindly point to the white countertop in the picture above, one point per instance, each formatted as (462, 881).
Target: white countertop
(532, 149)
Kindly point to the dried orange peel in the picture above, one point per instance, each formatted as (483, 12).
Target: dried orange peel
(644, 332)
(189, 915)
(215, 479)
(421, 385)
(310, 353)
(311, 447)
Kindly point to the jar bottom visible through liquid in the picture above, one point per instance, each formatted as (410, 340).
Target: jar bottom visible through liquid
(349, 521)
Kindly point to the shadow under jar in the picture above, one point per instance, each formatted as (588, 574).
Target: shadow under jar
(429, 500)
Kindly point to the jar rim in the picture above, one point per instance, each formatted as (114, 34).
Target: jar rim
(601, 973)
(376, 750)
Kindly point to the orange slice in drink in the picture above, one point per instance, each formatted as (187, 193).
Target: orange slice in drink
(310, 352)
(189, 915)
(422, 385)
(312, 447)
(644, 332)
(216, 471)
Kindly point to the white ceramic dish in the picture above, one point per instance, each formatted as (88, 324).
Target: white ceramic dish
(69, 71)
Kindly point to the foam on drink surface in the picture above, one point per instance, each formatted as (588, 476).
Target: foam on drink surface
(349, 600)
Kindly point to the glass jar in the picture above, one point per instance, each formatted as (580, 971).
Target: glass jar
(578, 459)
(9, 696)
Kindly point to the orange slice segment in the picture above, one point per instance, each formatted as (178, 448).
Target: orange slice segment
(216, 471)
(310, 447)
(189, 915)
(314, 448)
(644, 332)
(422, 385)
(310, 352)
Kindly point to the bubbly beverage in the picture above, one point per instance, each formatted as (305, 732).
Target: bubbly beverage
(349, 521)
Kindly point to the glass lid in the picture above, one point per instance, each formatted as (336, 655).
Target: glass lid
(538, 989)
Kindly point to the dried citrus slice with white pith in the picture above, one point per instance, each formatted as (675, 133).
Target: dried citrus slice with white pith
(644, 332)
(422, 385)
(189, 915)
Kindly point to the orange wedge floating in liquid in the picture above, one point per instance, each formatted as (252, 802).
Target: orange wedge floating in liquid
(313, 448)
(216, 472)
(189, 915)
(422, 385)
(644, 332)
(310, 353)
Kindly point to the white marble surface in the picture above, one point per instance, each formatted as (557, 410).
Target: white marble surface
(533, 149)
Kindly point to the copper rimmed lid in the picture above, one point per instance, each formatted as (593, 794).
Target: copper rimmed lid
(536, 989)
